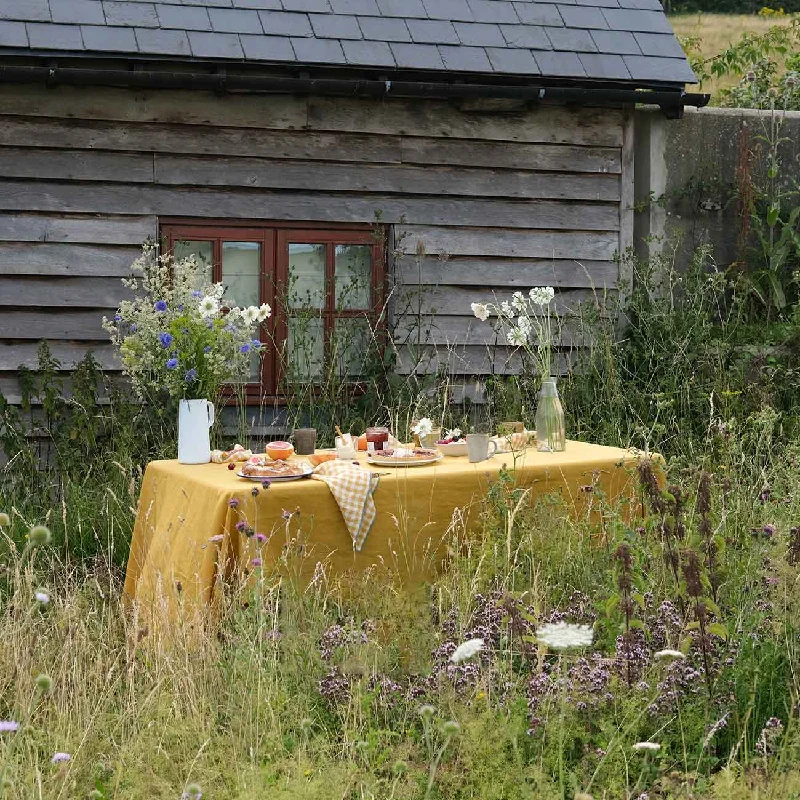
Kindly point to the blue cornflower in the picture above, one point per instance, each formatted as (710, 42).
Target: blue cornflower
(207, 348)
(229, 328)
(190, 376)
(133, 328)
(196, 293)
(180, 307)
(255, 344)
(166, 339)
(245, 348)
(161, 305)
(172, 363)
(117, 318)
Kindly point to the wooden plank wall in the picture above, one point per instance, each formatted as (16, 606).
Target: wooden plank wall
(500, 201)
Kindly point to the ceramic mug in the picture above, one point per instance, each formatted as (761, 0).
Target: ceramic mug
(479, 445)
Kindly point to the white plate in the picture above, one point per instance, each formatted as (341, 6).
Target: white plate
(307, 470)
(404, 462)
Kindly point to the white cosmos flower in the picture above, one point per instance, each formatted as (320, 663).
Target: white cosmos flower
(651, 747)
(251, 314)
(669, 655)
(565, 635)
(481, 311)
(542, 295)
(209, 306)
(423, 428)
(518, 301)
(264, 312)
(455, 433)
(467, 650)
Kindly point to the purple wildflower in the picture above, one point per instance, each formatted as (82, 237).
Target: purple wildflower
(172, 363)
(8, 726)
(60, 758)
(261, 538)
(234, 502)
(133, 328)
(241, 526)
(117, 317)
(256, 562)
(161, 305)
(197, 293)
(266, 483)
(254, 491)
(768, 529)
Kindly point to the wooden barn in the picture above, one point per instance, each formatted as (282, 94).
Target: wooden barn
(274, 137)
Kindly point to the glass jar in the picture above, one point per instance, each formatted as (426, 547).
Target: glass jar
(550, 429)
(377, 439)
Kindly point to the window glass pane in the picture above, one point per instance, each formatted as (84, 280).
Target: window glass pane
(351, 345)
(353, 276)
(241, 273)
(306, 276)
(202, 251)
(306, 348)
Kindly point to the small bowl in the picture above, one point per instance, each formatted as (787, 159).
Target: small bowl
(454, 448)
(279, 450)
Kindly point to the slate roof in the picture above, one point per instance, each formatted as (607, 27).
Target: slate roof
(627, 41)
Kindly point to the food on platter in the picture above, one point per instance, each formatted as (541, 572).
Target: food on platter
(513, 442)
(279, 450)
(401, 455)
(238, 453)
(266, 467)
(321, 456)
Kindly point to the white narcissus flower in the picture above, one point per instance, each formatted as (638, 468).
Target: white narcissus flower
(565, 635)
(423, 428)
(209, 306)
(264, 312)
(481, 311)
(467, 650)
(669, 655)
(542, 295)
(647, 747)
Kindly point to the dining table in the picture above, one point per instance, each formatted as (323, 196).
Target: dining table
(201, 528)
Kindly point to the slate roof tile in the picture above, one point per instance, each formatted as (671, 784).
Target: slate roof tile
(105, 38)
(364, 52)
(215, 45)
(432, 31)
(235, 20)
(78, 12)
(480, 34)
(131, 14)
(620, 40)
(335, 26)
(267, 48)
(465, 59)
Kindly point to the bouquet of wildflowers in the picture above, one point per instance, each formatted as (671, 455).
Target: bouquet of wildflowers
(525, 318)
(177, 335)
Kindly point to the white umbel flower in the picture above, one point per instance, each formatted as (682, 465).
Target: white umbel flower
(467, 650)
(423, 428)
(518, 301)
(524, 325)
(669, 655)
(542, 295)
(647, 747)
(42, 597)
(209, 306)
(505, 307)
(481, 311)
(565, 635)
(516, 338)
(264, 312)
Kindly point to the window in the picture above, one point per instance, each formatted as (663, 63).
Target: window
(325, 285)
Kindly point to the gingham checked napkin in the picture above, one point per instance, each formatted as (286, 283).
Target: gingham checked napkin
(352, 488)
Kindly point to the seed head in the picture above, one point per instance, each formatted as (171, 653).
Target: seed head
(39, 535)
(451, 728)
(426, 711)
(399, 768)
(44, 683)
(5, 520)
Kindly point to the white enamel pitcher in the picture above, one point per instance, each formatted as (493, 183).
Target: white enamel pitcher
(195, 418)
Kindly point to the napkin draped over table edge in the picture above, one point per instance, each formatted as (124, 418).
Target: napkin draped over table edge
(352, 487)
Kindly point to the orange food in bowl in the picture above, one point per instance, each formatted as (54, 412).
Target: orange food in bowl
(279, 450)
(362, 442)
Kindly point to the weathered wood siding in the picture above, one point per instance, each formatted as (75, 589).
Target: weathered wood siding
(511, 199)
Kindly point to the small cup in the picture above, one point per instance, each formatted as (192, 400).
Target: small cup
(478, 447)
(305, 441)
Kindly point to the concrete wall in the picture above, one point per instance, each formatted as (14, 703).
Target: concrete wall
(690, 175)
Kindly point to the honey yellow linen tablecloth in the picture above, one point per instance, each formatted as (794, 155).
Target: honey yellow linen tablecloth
(186, 545)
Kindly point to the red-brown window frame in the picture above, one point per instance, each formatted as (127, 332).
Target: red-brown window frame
(275, 237)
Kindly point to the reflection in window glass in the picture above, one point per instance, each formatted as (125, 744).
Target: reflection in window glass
(306, 348)
(202, 251)
(350, 345)
(241, 273)
(353, 276)
(306, 276)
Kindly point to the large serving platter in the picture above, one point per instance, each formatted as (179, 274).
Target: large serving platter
(404, 460)
(307, 470)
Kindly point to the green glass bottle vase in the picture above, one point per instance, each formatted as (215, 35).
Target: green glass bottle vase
(551, 433)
